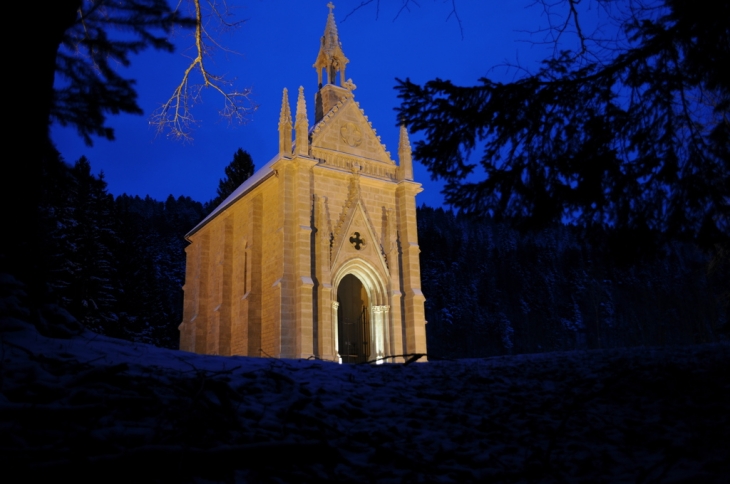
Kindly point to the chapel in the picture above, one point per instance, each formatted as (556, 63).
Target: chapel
(315, 255)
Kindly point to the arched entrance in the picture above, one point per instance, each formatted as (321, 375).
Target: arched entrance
(361, 327)
(353, 320)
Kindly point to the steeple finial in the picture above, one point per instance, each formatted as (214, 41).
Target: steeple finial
(330, 55)
(405, 157)
(285, 125)
(301, 125)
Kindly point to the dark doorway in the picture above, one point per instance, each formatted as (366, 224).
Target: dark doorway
(353, 323)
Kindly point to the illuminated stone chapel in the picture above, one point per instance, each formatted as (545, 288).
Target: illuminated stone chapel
(317, 253)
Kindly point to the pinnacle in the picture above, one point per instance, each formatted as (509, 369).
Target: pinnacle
(301, 105)
(404, 143)
(285, 115)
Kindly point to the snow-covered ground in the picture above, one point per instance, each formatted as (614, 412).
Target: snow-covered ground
(91, 408)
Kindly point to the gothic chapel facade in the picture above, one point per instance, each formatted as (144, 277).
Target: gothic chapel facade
(317, 253)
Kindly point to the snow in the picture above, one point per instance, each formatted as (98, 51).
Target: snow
(259, 176)
(91, 407)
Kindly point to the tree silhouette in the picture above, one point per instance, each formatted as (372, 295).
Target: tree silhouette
(99, 36)
(238, 171)
(636, 139)
(70, 76)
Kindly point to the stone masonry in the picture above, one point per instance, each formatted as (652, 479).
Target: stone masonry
(264, 268)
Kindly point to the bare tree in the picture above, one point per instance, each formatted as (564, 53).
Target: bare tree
(99, 35)
(175, 116)
(406, 6)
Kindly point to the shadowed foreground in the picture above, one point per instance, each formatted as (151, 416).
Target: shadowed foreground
(90, 407)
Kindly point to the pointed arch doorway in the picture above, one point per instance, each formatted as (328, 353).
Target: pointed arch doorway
(353, 320)
(361, 298)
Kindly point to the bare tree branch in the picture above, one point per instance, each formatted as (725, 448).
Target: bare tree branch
(223, 14)
(363, 4)
(566, 17)
(405, 6)
(175, 116)
(455, 14)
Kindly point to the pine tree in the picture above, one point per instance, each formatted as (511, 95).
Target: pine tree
(152, 265)
(238, 171)
(81, 228)
(636, 140)
(491, 290)
(91, 292)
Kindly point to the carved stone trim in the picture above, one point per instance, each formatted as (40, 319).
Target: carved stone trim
(353, 195)
(327, 117)
(373, 168)
(350, 134)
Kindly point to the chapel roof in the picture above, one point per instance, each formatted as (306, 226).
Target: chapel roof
(259, 176)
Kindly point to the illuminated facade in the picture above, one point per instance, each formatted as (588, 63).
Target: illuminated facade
(317, 253)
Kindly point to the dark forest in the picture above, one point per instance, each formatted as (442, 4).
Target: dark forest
(118, 266)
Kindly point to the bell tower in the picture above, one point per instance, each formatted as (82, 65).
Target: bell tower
(332, 60)
(330, 57)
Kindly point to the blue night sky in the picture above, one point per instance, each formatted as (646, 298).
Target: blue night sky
(276, 46)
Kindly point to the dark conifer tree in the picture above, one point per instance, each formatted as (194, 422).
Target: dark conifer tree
(492, 290)
(70, 68)
(91, 293)
(80, 263)
(238, 171)
(634, 139)
(152, 265)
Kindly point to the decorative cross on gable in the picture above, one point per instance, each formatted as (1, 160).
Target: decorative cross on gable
(357, 241)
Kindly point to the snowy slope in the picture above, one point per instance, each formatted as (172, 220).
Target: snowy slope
(92, 408)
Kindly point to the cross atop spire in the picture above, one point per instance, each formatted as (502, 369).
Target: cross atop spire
(330, 57)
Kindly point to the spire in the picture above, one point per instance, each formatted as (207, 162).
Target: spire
(301, 126)
(330, 55)
(405, 170)
(285, 125)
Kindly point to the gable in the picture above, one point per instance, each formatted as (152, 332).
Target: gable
(357, 238)
(346, 129)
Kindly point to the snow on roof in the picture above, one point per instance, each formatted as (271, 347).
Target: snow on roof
(261, 174)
